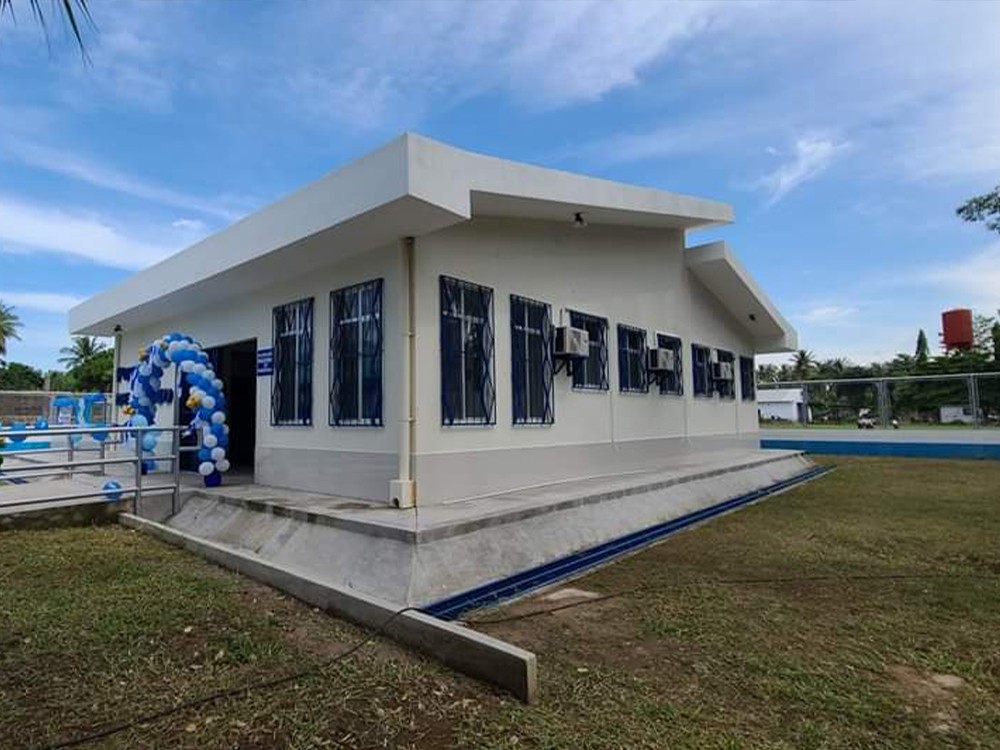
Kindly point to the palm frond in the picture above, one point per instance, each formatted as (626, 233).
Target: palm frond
(73, 11)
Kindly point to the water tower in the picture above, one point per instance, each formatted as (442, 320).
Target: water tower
(956, 328)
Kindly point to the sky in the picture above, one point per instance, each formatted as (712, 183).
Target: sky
(844, 133)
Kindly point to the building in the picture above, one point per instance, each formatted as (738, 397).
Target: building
(412, 303)
(786, 404)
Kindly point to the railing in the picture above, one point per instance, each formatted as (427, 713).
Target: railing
(913, 397)
(72, 464)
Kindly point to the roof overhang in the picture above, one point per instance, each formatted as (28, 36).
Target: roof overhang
(717, 268)
(410, 187)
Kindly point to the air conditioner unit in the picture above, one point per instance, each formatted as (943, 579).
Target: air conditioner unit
(661, 360)
(722, 370)
(572, 343)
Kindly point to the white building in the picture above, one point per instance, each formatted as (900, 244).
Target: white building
(411, 298)
(781, 403)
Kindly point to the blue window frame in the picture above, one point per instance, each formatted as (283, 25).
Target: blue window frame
(356, 355)
(531, 375)
(672, 382)
(701, 367)
(748, 383)
(591, 373)
(468, 395)
(632, 360)
(291, 385)
(725, 386)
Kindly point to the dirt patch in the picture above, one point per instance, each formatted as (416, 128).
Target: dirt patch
(933, 693)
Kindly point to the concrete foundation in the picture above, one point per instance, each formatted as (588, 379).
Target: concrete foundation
(420, 556)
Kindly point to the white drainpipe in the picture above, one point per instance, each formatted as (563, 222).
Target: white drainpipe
(402, 491)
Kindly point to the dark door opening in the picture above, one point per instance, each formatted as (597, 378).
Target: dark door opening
(236, 365)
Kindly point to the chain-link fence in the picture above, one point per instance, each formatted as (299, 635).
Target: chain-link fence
(960, 400)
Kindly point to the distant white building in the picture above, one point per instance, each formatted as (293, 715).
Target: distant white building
(952, 414)
(408, 312)
(781, 403)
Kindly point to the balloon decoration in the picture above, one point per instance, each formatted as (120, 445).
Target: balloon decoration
(112, 490)
(207, 401)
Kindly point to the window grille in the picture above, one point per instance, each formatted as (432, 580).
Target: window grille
(468, 395)
(291, 386)
(632, 360)
(356, 355)
(591, 373)
(672, 382)
(531, 367)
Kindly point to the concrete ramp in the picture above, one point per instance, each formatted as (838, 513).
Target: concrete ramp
(424, 556)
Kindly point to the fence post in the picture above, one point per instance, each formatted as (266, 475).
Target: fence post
(974, 399)
(69, 454)
(138, 470)
(103, 455)
(175, 443)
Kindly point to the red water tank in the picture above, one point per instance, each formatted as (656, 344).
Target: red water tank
(957, 325)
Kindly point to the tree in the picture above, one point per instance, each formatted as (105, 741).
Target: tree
(803, 364)
(982, 333)
(95, 374)
(74, 12)
(9, 323)
(83, 350)
(983, 208)
(15, 376)
(923, 349)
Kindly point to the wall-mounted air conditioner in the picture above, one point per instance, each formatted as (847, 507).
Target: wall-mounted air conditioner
(661, 360)
(722, 370)
(572, 343)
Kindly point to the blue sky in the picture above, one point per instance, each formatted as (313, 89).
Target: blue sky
(844, 134)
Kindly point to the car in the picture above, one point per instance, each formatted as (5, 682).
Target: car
(865, 420)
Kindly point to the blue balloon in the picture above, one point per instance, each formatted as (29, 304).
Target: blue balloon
(224, 441)
(218, 430)
(149, 441)
(148, 466)
(157, 371)
(17, 427)
(41, 423)
(204, 454)
(213, 480)
(205, 414)
(112, 490)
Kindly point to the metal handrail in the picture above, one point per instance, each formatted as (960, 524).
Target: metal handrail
(67, 467)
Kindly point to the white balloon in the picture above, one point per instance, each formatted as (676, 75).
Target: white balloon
(187, 365)
(139, 421)
(209, 374)
(155, 382)
(217, 383)
(218, 454)
(223, 465)
(145, 369)
(205, 468)
(218, 417)
(199, 368)
(208, 402)
(174, 346)
(225, 429)
(210, 441)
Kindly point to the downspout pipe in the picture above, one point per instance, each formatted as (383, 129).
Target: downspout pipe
(402, 490)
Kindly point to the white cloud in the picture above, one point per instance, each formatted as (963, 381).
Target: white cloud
(972, 281)
(80, 168)
(42, 301)
(827, 314)
(88, 237)
(811, 156)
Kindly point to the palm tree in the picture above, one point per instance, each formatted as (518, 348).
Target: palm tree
(74, 11)
(9, 323)
(803, 363)
(84, 349)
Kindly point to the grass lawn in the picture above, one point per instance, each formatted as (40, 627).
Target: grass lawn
(861, 610)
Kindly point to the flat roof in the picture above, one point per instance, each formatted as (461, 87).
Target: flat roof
(411, 186)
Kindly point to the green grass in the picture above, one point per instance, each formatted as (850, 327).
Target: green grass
(814, 619)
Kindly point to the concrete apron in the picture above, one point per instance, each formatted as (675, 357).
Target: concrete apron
(423, 557)
(473, 653)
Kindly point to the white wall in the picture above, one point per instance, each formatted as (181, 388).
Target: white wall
(355, 461)
(631, 276)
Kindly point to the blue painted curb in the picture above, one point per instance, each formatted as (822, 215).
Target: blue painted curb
(543, 575)
(885, 448)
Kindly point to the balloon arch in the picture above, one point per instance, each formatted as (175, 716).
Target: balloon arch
(206, 399)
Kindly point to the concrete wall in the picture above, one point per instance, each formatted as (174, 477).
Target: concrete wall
(629, 275)
(353, 461)
(632, 276)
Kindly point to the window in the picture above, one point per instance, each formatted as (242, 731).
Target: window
(531, 361)
(748, 388)
(701, 370)
(632, 360)
(356, 355)
(591, 373)
(291, 386)
(672, 382)
(725, 385)
(467, 392)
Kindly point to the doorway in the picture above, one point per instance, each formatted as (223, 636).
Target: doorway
(236, 365)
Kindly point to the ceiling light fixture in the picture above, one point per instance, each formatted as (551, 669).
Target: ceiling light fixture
(578, 221)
